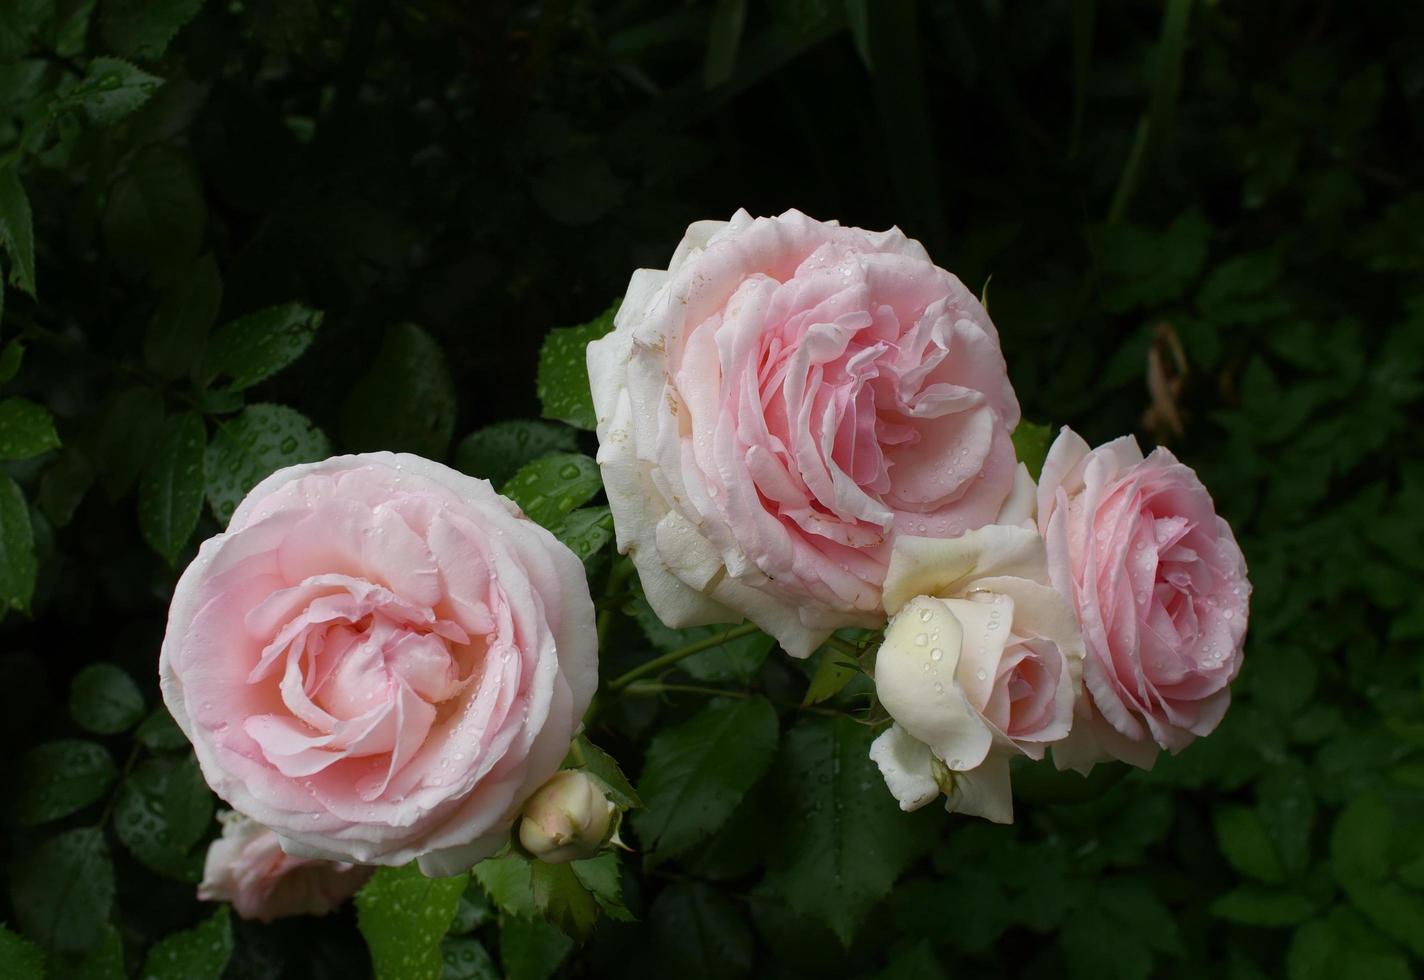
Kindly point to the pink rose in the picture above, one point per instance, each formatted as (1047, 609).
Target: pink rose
(980, 664)
(1161, 593)
(247, 867)
(781, 403)
(380, 660)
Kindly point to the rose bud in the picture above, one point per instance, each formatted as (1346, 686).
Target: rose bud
(781, 403)
(980, 663)
(566, 819)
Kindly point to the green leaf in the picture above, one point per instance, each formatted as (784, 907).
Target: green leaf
(1142, 268)
(406, 399)
(738, 659)
(128, 430)
(403, 916)
(153, 222)
(144, 28)
(17, 547)
(700, 933)
(583, 754)
(1360, 842)
(531, 949)
(104, 961)
(17, 233)
(170, 492)
(473, 910)
(199, 953)
(254, 347)
(585, 531)
(697, 772)
(249, 448)
(1119, 934)
(19, 21)
(1246, 844)
(833, 672)
(603, 878)
(843, 841)
(160, 733)
(465, 958)
(497, 451)
(509, 883)
(563, 370)
(163, 809)
(20, 959)
(113, 88)
(562, 899)
(63, 889)
(105, 700)
(174, 340)
(26, 429)
(10, 359)
(1287, 809)
(1031, 442)
(724, 36)
(63, 486)
(554, 485)
(1255, 906)
(59, 778)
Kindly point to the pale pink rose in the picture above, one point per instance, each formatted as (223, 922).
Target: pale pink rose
(1160, 589)
(247, 867)
(380, 660)
(980, 663)
(781, 403)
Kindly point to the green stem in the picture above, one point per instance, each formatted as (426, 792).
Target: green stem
(643, 688)
(845, 647)
(673, 656)
(617, 578)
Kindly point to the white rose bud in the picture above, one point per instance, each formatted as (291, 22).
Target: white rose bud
(567, 819)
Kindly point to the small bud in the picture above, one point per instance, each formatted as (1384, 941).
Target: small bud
(567, 819)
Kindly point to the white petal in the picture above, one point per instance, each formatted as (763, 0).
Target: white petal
(905, 763)
(949, 566)
(1019, 508)
(984, 792)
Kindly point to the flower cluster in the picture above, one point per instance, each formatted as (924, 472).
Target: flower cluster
(808, 426)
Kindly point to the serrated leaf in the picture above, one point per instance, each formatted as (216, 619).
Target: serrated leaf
(63, 889)
(473, 910)
(20, 959)
(163, 809)
(603, 878)
(403, 915)
(17, 233)
(26, 429)
(466, 959)
(842, 843)
(113, 88)
(144, 28)
(602, 766)
(199, 953)
(104, 700)
(17, 547)
(170, 492)
(497, 451)
(174, 340)
(1031, 442)
(59, 778)
(154, 220)
(697, 772)
(249, 448)
(554, 485)
(561, 898)
(254, 347)
(406, 399)
(508, 881)
(531, 949)
(700, 933)
(563, 370)
(585, 531)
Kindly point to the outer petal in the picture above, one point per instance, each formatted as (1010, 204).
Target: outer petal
(947, 566)
(984, 792)
(906, 764)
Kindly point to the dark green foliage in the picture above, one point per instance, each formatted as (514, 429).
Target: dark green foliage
(235, 236)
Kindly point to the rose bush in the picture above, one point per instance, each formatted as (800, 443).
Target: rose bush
(380, 660)
(981, 662)
(247, 867)
(779, 404)
(1160, 590)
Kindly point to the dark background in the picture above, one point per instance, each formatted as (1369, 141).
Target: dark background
(1202, 222)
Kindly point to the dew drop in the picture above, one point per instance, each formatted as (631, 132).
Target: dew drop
(924, 615)
(939, 688)
(938, 654)
(983, 674)
(921, 640)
